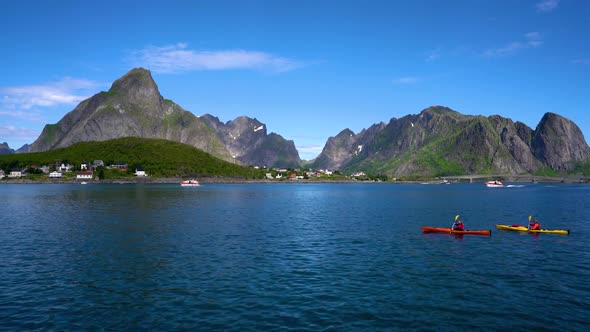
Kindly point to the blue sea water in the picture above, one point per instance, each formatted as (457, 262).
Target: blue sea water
(317, 257)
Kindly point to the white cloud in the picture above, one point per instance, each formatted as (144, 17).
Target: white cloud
(67, 91)
(545, 6)
(19, 134)
(406, 80)
(179, 58)
(503, 51)
(531, 40)
(308, 152)
(32, 116)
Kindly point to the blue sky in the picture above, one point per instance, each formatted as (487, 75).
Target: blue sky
(307, 69)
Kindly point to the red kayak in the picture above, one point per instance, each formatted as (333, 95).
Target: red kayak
(429, 229)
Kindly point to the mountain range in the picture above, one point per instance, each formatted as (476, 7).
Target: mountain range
(133, 107)
(436, 142)
(440, 141)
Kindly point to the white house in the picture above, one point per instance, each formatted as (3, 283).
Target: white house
(55, 175)
(97, 163)
(269, 175)
(15, 173)
(84, 176)
(2, 174)
(325, 171)
(65, 168)
(140, 172)
(84, 166)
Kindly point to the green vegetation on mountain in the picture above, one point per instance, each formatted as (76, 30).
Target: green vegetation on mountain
(546, 171)
(158, 157)
(441, 142)
(133, 107)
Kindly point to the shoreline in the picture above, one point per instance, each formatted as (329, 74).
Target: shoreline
(224, 180)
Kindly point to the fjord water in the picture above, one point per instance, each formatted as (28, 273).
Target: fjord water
(242, 257)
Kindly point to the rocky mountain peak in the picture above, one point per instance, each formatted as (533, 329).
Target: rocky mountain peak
(248, 142)
(5, 149)
(345, 133)
(559, 142)
(246, 128)
(133, 107)
(441, 110)
(136, 86)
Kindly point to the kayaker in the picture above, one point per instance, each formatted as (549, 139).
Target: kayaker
(535, 225)
(458, 225)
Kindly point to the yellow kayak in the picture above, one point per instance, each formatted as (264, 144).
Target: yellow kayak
(519, 228)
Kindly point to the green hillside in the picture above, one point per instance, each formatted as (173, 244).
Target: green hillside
(158, 157)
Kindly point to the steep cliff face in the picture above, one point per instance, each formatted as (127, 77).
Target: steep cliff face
(133, 107)
(338, 151)
(440, 141)
(559, 143)
(344, 147)
(247, 141)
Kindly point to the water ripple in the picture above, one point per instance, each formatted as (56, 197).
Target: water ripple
(290, 258)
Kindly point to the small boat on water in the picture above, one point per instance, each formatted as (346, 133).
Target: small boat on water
(519, 228)
(190, 183)
(83, 182)
(494, 184)
(430, 229)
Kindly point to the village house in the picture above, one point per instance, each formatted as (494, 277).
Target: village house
(84, 175)
(140, 172)
(1, 174)
(16, 173)
(269, 176)
(84, 166)
(55, 175)
(65, 168)
(358, 174)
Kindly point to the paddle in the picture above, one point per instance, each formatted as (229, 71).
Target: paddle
(529, 225)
